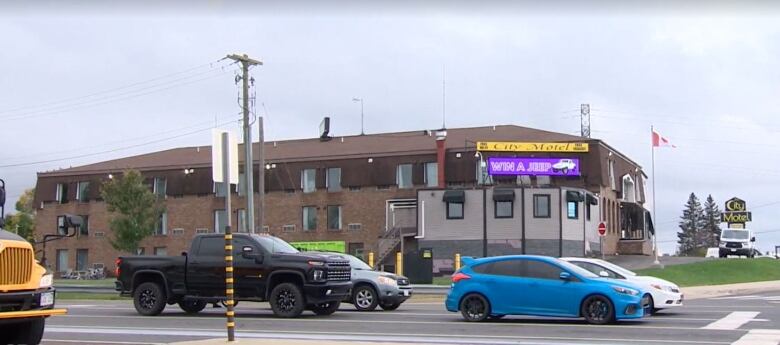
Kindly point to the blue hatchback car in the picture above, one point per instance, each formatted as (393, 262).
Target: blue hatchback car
(538, 285)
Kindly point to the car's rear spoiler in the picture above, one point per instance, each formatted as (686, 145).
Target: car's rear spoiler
(467, 260)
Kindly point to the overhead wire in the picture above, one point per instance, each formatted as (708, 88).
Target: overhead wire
(129, 95)
(111, 90)
(50, 153)
(111, 150)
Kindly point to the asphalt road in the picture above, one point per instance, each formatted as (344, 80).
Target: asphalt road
(741, 320)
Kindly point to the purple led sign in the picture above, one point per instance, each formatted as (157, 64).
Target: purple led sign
(534, 166)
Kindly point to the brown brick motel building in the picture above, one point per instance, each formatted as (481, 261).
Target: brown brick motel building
(523, 191)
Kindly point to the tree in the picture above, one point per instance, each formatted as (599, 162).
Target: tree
(23, 221)
(711, 229)
(690, 237)
(134, 209)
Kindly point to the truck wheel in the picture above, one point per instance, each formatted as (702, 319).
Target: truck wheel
(325, 308)
(287, 300)
(192, 306)
(365, 298)
(149, 299)
(390, 307)
(29, 332)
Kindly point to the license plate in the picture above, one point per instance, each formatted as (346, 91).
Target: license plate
(47, 299)
(406, 292)
(733, 250)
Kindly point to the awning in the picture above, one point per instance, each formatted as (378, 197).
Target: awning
(574, 196)
(592, 199)
(454, 196)
(503, 195)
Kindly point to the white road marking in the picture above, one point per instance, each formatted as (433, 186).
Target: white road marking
(97, 342)
(354, 336)
(575, 323)
(733, 321)
(760, 337)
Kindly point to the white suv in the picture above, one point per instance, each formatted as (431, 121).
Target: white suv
(663, 294)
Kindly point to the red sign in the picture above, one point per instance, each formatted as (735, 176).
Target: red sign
(602, 229)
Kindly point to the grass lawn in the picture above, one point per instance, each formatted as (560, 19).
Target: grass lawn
(108, 282)
(445, 280)
(89, 296)
(718, 272)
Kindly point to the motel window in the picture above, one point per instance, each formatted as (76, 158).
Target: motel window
(220, 221)
(611, 167)
(572, 210)
(62, 193)
(587, 210)
(162, 225)
(431, 174)
(160, 186)
(62, 260)
(504, 209)
(82, 191)
(241, 220)
(541, 206)
(334, 217)
(454, 210)
(309, 218)
(81, 259)
(333, 182)
(403, 176)
(309, 180)
(84, 228)
(241, 186)
(160, 251)
(61, 230)
(219, 189)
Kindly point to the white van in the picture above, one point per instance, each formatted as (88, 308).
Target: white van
(737, 242)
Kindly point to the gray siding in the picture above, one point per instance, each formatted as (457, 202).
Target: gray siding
(542, 228)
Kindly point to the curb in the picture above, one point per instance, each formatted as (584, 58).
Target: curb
(699, 292)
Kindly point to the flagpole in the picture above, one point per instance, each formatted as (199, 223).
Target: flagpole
(652, 160)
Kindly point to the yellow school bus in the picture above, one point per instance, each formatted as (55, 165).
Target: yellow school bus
(26, 291)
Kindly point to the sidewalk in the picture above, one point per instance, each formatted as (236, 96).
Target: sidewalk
(280, 342)
(699, 292)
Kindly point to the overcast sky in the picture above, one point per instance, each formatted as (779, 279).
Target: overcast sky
(84, 84)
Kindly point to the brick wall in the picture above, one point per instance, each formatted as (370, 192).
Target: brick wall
(188, 213)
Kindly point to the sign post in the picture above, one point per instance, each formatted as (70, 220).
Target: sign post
(602, 233)
(224, 154)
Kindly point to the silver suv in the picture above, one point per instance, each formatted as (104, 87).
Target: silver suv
(375, 288)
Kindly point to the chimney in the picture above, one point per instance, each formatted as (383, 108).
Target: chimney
(441, 149)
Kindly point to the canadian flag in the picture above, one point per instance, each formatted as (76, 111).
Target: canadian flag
(659, 141)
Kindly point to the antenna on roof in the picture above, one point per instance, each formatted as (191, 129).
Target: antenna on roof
(443, 97)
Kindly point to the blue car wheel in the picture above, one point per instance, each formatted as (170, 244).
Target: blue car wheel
(598, 310)
(474, 308)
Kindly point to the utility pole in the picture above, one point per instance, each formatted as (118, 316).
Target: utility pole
(246, 62)
(261, 175)
(585, 120)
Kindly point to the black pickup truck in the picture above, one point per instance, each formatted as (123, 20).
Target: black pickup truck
(266, 268)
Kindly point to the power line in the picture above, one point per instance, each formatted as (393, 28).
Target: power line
(67, 100)
(108, 100)
(111, 150)
(633, 116)
(51, 153)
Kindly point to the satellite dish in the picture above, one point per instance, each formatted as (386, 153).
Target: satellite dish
(325, 128)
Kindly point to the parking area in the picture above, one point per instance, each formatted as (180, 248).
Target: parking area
(743, 320)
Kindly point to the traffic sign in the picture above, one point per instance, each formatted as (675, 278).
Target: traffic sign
(602, 229)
